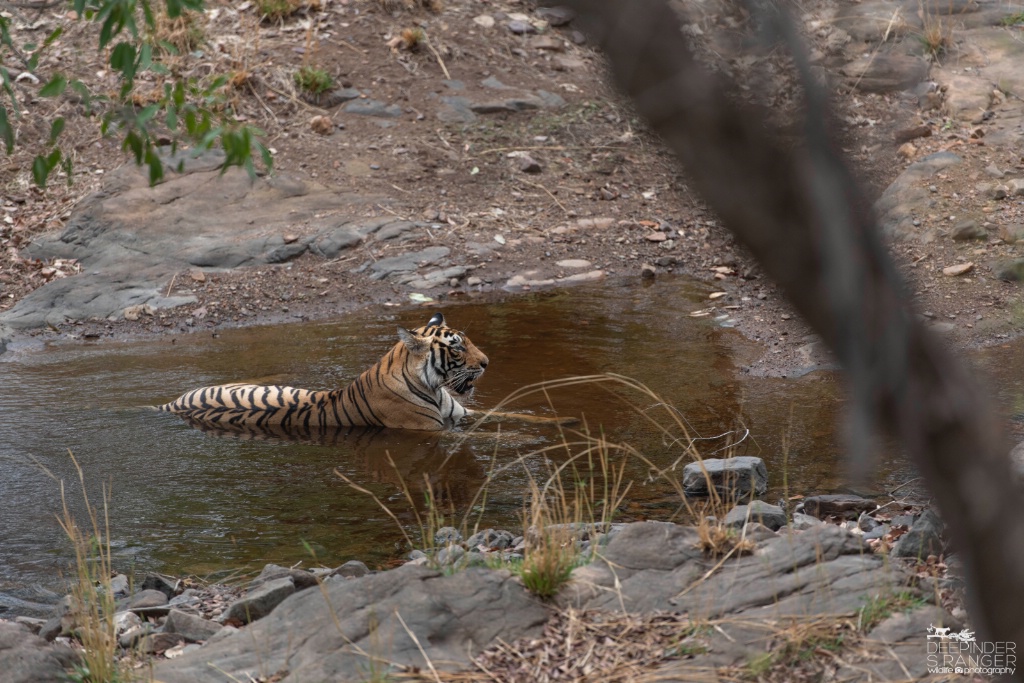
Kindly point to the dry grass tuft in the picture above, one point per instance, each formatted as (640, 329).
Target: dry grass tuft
(92, 599)
(394, 6)
(717, 540)
(181, 35)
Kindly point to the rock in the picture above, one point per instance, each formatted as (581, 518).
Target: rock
(840, 505)
(450, 555)
(802, 522)
(28, 658)
(135, 312)
(923, 539)
(1011, 233)
(547, 43)
(528, 164)
(740, 476)
(484, 20)
(902, 636)
(372, 108)
(656, 236)
(520, 27)
(905, 198)
(1012, 270)
(447, 535)
(968, 230)
(321, 125)
(190, 627)
(993, 171)
(907, 150)
(131, 239)
(757, 532)
(260, 602)
(565, 63)
(300, 577)
(149, 597)
(1016, 187)
(158, 643)
(491, 539)
(555, 16)
(165, 584)
(574, 263)
(61, 623)
(589, 276)
(908, 134)
(324, 636)
(882, 73)
(406, 262)
(352, 569)
(647, 271)
(759, 511)
(650, 565)
(958, 269)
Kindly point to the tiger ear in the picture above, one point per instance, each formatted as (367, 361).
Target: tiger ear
(414, 343)
(437, 319)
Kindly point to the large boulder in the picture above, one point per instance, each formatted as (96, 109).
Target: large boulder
(734, 478)
(27, 658)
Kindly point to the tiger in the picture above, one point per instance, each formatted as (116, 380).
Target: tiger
(412, 387)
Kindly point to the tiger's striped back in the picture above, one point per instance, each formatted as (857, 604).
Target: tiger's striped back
(409, 388)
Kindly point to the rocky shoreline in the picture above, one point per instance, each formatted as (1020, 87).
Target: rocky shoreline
(708, 600)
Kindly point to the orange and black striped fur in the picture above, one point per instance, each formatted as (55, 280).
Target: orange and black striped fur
(409, 388)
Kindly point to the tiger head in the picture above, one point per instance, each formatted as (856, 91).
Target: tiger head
(450, 358)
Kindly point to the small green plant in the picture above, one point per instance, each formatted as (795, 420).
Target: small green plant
(881, 607)
(92, 598)
(275, 10)
(313, 81)
(1013, 19)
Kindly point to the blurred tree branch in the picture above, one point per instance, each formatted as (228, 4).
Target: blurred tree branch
(812, 229)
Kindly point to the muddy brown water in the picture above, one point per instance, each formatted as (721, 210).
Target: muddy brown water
(186, 502)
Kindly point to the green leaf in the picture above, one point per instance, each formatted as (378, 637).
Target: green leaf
(56, 128)
(6, 131)
(54, 35)
(55, 87)
(156, 167)
(123, 58)
(147, 15)
(172, 118)
(145, 56)
(144, 116)
(268, 158)
(69, 169)
(40, 170)
(133, 141)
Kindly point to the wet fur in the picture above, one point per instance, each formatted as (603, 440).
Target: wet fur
(411, 387)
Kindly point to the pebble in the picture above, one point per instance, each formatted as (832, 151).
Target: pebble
(958, 269)
(321, 125)
(528, 164)
(484, 20)
(520, 27)
(573, 263)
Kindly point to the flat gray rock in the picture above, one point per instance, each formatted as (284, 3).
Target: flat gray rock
(407, 262)
(905, 199)
(319, 636)
(259, 602)
(658, 566)
(27, 658)
(131, 239)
